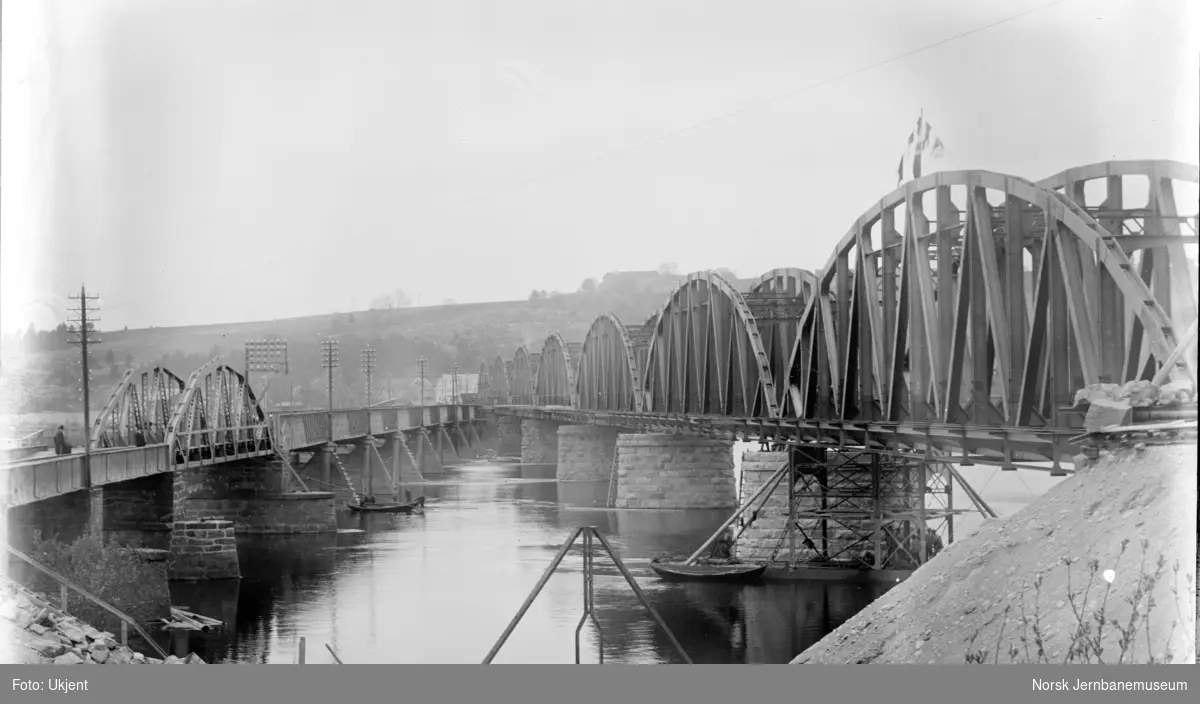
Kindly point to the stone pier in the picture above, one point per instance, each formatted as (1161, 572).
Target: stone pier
(203, 550)
(508, 434)
(674, 471)
(585, 453)
(762, 540)
(247, 493)
(138, 510)
(539, 442)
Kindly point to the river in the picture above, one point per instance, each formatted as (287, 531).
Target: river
(441, 587)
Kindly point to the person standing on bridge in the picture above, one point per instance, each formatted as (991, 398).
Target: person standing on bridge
(139, 438)
(60, 442)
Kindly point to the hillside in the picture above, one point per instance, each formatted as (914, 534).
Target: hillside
(41, 371)
(997, 589)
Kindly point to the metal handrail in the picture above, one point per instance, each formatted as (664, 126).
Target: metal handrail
(65, 583)
(589, 532)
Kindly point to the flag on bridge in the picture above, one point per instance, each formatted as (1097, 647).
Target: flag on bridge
(921, 141)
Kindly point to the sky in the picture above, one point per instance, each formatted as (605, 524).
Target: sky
(216, 161)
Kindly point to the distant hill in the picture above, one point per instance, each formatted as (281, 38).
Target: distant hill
(46, 377)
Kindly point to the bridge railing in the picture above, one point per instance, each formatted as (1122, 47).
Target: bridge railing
(122, 463)
(295, 429)
(34, 480)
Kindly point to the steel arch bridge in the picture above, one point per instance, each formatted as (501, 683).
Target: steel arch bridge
(217, 418)
(143, 402)
(961, 300)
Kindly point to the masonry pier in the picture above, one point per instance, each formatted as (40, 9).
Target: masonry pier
(657, 470)
(585, 453)
(508, 435)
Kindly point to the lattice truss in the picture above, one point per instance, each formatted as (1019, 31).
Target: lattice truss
(999, 300)
(852, 505)
(217, 416)
(141, 400)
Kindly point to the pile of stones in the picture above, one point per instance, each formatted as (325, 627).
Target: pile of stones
(36, 633)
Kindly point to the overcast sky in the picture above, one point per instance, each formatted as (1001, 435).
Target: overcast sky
(212, 161)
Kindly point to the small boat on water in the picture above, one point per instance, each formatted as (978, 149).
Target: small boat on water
(708, 572)
(390, 507)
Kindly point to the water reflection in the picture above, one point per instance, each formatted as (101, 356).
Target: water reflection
(441, 587)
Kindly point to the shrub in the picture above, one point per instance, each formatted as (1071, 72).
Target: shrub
(117, 574)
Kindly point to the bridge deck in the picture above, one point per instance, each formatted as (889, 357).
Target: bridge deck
(36, 479)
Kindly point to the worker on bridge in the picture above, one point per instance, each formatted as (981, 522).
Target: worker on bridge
(61, 446)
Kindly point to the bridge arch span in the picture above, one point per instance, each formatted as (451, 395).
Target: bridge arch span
(798, 283)
(706, 354)
(141, 399)
(1141, 200)
(498, 381)
(609, 378)
(217, 416)
(983, 312)
(556, 369)
(523, 378)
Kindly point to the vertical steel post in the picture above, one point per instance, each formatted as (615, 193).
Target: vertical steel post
(791, 512)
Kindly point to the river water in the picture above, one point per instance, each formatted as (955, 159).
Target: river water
(441, 587)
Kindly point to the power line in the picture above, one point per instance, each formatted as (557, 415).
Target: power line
(763, 103)
(740, 111)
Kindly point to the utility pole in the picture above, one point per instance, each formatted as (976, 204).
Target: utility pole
(454, 384)
(84, 327)
(422, 364)
(265, 356)
(368, 366)
(329, 360)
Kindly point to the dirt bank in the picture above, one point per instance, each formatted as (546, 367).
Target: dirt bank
(966, 604)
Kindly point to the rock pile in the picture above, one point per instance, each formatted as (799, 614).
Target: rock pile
(34, 633)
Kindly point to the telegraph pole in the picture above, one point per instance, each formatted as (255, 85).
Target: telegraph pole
(422, 364)
(368, 366)
(84, 328)
(454, 384)
(329, 360)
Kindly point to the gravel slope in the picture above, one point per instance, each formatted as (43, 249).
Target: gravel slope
(1129, 495)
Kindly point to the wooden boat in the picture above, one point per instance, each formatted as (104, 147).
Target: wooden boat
(707, 572)
(389, 507)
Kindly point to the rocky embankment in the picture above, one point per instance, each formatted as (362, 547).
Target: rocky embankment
(1007, 593)
(32, 632)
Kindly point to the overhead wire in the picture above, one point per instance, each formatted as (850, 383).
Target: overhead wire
(300, 252)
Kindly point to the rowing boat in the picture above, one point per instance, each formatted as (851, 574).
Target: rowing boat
(390, 507)
(728, 572)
